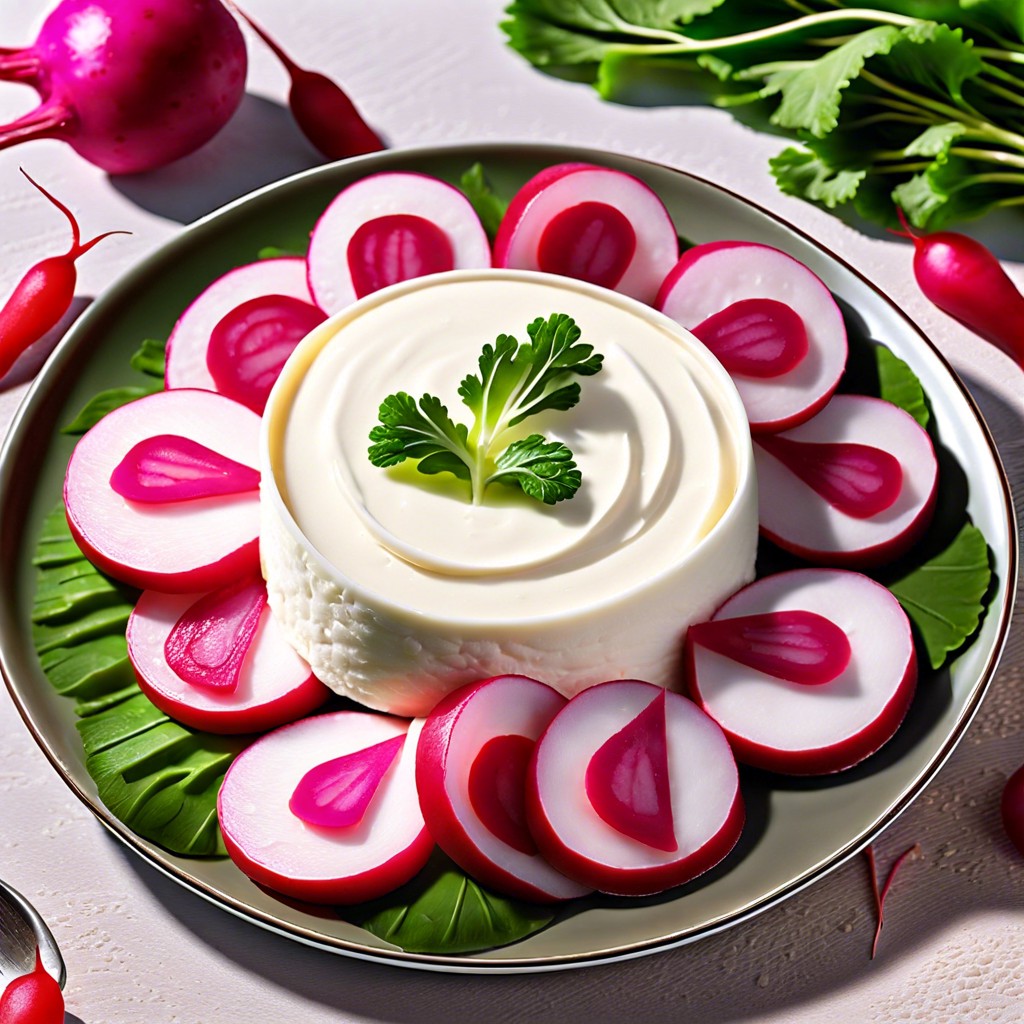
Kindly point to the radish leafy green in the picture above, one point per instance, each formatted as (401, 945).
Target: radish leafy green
(896, 101)
(516, 381)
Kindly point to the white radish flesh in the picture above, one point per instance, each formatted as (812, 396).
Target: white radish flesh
(471, 774)
(248, 321)
(709, 291)
(827, 490)
(271, 684)
(391, 227)
(179, 546)
(579, 813)
(800, 727)
(593, 223)
(346, 863)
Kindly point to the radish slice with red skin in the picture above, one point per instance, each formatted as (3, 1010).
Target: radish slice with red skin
(391, 227)
(798, 646)
(279, 850)
(787, 726)
(703, 783)
(471, 773)
(711, 279)
(274, 684)
(755, 337)
(800, 518)
(592, 223)
(182, 546)
(170, 467)
(266, 282)
(209, 642)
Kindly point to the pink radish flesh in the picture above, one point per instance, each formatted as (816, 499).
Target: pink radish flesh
(337, 793)
(592, 223)
(755, 337)
(627, 780)
(387, 228)
(708, 289)
(829, 490)
(395, 248)
(702, 783)
(471, 769)
(798, 646)
(130, 86)
(242, 361)
(208, 643)
(855, 478)
(496, 788)
(251, 343)
(180, 546)
(321, 864)
(274, 685)
(781, 724)
(169, 467)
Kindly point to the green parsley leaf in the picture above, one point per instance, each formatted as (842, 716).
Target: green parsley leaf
(425, 432)
(545, 470)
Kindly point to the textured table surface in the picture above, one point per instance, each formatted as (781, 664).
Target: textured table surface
(140, 949)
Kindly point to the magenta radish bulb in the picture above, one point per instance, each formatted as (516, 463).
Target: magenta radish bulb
(1012, 809)
(130, 86)
(808, 671)
(185, 537)
(771, 322)
(471, 767)
(355, 772)
(853, 486)
(633, 789)
(591, 223)
(219, 662)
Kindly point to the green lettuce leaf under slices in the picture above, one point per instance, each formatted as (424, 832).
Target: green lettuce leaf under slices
(489, 208)
(443, 911)
(899, 384)
(160, 778)
(944, 597)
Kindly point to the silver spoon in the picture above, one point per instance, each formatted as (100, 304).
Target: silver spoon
(21, 929)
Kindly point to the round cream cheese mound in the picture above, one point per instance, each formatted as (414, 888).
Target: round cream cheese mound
(397, 589)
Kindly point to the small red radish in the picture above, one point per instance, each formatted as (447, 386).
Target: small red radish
(965, 279)
(326, 115)
(130, 86)
(592, 223)
(236, 335)
(391, 227)
(471, 766)
(44, 294)
(375, 839)
(633, 790)
(219, 662)
(770, 321)
(853, 486)
(33, 998)
(1012, 808)
(817, 674)
(172, 545)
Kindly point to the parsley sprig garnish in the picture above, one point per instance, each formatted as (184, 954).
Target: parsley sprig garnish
(515, 381)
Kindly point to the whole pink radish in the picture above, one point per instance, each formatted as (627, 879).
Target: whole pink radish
(965, 279)
(130, 86)
(44, 294)
(33, 998)
(1012, 808)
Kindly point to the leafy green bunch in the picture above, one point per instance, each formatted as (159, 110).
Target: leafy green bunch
(515, 381)
(915, 103)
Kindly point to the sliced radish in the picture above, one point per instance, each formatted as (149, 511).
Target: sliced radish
(633, 789)
(592, 223)
(219, 661)
(854, 486)
(235, 337)
(790, 711)
(392, 227)
(368, 837)
(772, 323)
(181, 536)
(471, 773)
